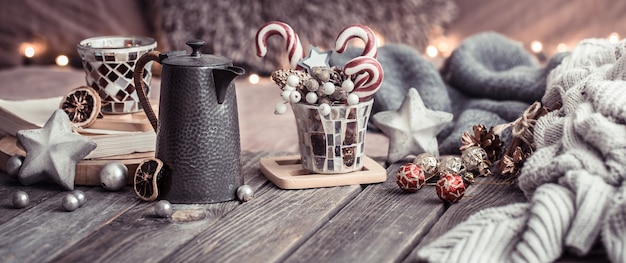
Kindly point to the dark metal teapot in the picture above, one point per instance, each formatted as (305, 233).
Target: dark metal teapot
(198, 127)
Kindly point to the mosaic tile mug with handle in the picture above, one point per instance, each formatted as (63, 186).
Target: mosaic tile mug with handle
(198, 127)
(109, 63)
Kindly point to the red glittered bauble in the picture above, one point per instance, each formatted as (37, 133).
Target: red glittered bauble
(410, 177)
(450, 188)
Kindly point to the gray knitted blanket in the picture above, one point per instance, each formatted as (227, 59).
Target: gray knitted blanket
(574, 180)
(489, 79)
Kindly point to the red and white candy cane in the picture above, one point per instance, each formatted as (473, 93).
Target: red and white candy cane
(363, 32)
(370, 68)
(292, 41)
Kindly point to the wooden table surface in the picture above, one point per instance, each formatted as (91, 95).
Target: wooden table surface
(357, 223)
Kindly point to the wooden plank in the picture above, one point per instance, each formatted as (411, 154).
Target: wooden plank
(37, 193)
(484, 193)
(43, 232)
(382, 224)
(139, 236)
(282, 218)
(268, 229)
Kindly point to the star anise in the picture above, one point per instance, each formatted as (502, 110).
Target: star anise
(483, 138)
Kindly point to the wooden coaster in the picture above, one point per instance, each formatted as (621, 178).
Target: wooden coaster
(286, 172)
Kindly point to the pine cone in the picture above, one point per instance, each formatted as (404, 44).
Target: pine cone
(482, 138)
(512, 165)
(280, 77)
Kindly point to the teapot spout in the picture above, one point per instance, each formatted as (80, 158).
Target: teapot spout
(222, 78)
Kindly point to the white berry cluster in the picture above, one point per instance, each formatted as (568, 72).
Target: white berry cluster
(323, 86)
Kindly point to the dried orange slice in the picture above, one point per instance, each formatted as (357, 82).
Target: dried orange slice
(146, 179)
(82, 105)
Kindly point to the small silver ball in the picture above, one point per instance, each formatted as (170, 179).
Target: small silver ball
(163, 208)
(245, 193)
(114, 176)
(70, 202)
(20, 199)
(80, 195)
(14, 163)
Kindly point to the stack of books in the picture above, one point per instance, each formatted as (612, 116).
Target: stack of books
(126, 138)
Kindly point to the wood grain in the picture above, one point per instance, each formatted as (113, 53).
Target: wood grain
(139, 236)
(45, 230)
(269, 228)
(486, 192)
(382, 224)
(37, 193)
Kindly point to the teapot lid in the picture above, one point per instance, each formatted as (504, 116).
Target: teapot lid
(196, 58)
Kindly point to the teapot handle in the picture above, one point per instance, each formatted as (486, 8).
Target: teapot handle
(138, 78)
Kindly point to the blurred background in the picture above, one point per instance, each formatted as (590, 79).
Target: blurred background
(38, 57)
(38, 32)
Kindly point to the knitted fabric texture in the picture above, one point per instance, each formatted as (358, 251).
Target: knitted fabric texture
(489, 79)
(575, 178)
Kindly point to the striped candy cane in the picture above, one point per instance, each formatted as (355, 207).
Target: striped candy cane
(363, 32)
(367, 74)
(292, 41)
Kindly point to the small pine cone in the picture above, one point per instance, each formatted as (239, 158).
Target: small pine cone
(492, 144)
(482, 138)
(512, 165)
(337, 76)
(475, 139)
(280, 77)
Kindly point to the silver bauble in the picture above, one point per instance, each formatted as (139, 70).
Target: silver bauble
(14, 163)
(70, 202)
(80, 195)
(163, 208)
(449, 165)
(245, 193)
(428, 163)
(20, 199)
(114, 176)
(473, 157)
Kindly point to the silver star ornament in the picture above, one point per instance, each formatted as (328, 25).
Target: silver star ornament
(316, 58)
(53, 152)
(412, 129)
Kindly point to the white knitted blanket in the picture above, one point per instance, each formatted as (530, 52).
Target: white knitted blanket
(574, 180)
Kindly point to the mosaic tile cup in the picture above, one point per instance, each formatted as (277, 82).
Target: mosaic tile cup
(109, 62)
(333, 143)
